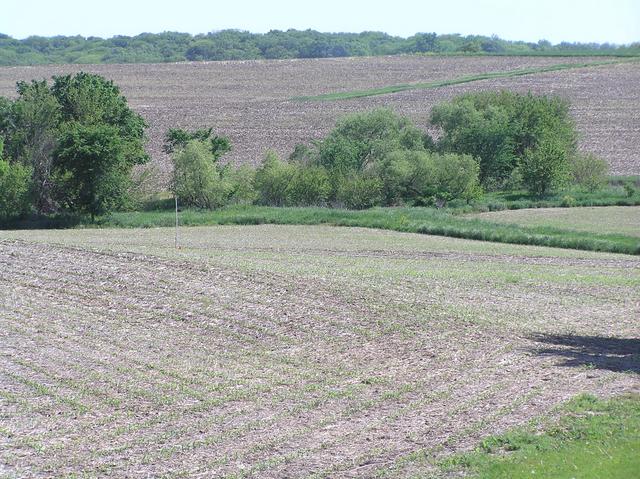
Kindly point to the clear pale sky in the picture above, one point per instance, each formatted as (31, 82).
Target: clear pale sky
(614, 21)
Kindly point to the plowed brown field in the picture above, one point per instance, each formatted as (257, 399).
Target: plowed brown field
(281, 351)
(251, 101)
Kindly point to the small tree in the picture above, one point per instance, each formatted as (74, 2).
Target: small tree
(197, 181)
(545, 168)
(589, 171)
(15, 182)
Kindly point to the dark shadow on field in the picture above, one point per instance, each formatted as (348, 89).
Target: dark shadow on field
(613, 354)
(43, 222)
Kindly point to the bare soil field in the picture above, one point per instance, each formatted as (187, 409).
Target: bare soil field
(285, 351)
(250, 101)
(624, 220)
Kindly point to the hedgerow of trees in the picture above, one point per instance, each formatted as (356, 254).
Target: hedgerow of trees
(70, 147)
(242, 45)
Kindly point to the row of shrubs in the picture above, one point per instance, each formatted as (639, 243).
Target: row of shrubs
(71, 147)
(378, 158)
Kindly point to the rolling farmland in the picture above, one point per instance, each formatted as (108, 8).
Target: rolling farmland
(253, 101)
(269, 351)
(286, 351)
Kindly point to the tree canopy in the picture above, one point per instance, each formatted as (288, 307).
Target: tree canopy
(242, 45)
(504, 130)
(77, 137)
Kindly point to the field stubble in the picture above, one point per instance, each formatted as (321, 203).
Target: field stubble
(271, 351)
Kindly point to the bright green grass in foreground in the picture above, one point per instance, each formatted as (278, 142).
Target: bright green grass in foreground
(593, 439)
(453, 81)
(412, 220)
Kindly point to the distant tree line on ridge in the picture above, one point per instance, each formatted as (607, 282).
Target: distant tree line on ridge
(276, 44)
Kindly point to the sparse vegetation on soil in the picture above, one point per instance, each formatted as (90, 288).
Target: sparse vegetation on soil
(454, 81)
(272, 351)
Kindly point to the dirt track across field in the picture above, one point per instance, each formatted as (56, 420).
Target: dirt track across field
(250, 101)
(282, 351)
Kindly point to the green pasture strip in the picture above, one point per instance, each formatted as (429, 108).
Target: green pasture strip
(591, 439)
(455, 81)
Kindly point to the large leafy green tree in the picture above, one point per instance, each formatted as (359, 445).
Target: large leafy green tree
(502, 128)
(92, 162)
(30, 125)
(71, 135)
(92, 100)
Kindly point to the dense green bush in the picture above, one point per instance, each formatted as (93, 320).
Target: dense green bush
(309, 186)
(197, 179)
(272, 180)
(398, 172)
(241, 181)
(545, 168)
(369, 159)
(360, 140)
(500, 128)
(15, 182)
(453, 177)
(279, 183)
(589, 171)
(425, 178)
(358, 192)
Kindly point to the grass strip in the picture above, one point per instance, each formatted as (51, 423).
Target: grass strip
(592, 439)
(410, 220)
(454, 81)
(407, 219)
